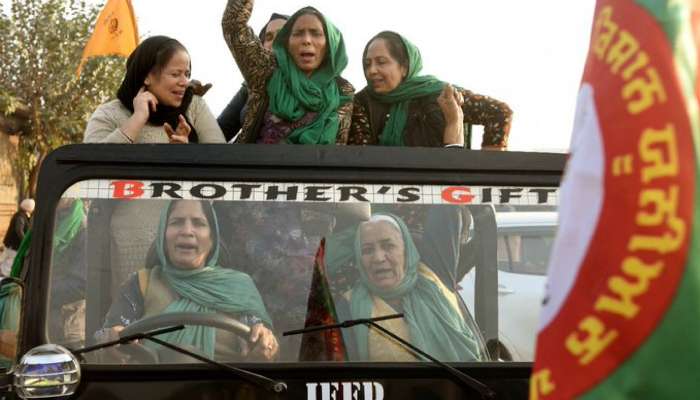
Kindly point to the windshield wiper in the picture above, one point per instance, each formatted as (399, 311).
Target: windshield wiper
(485, 391)
(252, 377)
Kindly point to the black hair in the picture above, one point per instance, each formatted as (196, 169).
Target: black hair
(273, 17)
(152, 55)
(293, 19)
(394, 44)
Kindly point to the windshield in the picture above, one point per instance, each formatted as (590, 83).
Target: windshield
(275, 257)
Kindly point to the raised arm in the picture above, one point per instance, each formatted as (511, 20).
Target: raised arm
(254, 61)
(494, 115)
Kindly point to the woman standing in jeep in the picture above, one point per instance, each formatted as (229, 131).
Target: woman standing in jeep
(400, 107)
(295, 92)
(155, 102)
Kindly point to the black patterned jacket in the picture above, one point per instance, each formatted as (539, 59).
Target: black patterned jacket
(426, 124)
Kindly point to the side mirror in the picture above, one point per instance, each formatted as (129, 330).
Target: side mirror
(11, 297)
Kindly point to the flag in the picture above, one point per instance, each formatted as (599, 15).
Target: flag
(115, 32)
(621, 312)
(324, 345)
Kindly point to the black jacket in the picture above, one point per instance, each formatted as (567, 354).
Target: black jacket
(231, 119)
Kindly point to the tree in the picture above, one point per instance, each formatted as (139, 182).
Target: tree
(41, 43)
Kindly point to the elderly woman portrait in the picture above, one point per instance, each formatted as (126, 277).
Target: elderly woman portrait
(295, 92)
(187, 276)
(400, 107)
(394, 280)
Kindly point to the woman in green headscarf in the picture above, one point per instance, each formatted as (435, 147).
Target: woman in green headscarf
(296, 94)
(394, 280)
(188, 277)
(400, 107)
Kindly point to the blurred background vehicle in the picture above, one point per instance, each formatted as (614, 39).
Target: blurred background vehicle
(524, 245)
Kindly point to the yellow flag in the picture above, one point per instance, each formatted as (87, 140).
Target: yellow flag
(115, 32)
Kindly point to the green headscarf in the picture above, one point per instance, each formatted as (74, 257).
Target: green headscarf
(292, 94)
(68, 226)
(434, 325)
(412, 86)
(22, 251)
(10, 311)
(209, 289)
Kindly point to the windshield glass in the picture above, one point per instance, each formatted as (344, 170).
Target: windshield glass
(243, 262)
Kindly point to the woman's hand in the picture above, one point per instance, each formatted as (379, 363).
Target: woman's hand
(263, 342)
(450, 102)
(112, 353)
(181, 133)
(109, 334)
(8, 344)
(198, 88)
(144, 103)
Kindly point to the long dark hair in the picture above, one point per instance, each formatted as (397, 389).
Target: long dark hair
(152, 55)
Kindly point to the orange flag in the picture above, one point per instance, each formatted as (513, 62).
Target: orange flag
(115, 32)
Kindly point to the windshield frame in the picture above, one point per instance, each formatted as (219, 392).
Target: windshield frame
(312, 164)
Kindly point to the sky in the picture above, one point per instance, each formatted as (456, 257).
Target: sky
(529, 54)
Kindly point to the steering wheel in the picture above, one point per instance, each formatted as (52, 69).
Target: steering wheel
(214, 320)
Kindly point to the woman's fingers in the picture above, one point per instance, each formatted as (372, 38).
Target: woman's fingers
(255, 333)
(173, 137)
(145, 102)
(458, 97)
(178, 135)
(449, 102)
(183, 127)
(265, 343)
(443, 95)
(153, 102)
(168, 130)
(182, 132)
(109, 334)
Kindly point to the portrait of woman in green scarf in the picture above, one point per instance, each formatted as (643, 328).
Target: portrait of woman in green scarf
(188, 277)
(296, 93)
(394, 280)
(401, 107)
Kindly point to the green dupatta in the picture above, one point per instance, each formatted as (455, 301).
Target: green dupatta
(69, 226)
(66, 230)
(435, 326)
(411, 87)
(292, 94)
(209, 289)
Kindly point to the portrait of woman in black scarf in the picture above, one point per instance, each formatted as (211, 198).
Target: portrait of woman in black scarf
(155, 102)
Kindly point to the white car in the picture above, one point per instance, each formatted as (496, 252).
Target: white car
(524, 246)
